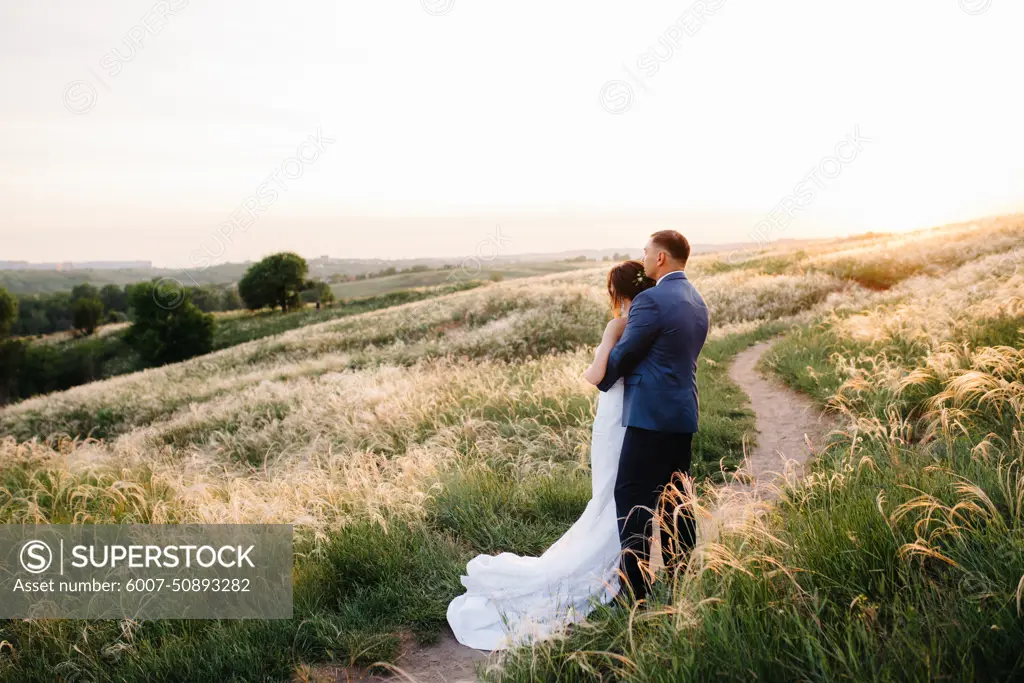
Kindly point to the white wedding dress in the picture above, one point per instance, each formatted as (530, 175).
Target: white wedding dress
(512, 600)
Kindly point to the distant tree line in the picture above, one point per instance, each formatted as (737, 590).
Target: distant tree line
(158, 334)
(614, 257)
(168, 324)
(384, 272)
(86, 307)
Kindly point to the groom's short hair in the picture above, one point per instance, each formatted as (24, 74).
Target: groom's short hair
(674, 243)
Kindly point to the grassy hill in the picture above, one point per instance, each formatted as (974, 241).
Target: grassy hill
(63, 360)
(401, 442)
(390, 283)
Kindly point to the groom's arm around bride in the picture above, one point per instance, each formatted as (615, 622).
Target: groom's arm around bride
(657, 355)
(641, 330)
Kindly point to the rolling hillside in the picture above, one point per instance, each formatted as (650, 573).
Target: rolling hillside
(401, 442)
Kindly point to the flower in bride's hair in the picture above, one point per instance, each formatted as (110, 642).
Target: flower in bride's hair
(640, 277)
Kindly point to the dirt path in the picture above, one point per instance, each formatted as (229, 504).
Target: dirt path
(789, 428)
(446, 661)
(789, 425)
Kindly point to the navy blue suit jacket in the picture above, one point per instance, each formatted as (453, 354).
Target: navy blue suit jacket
(657, 355)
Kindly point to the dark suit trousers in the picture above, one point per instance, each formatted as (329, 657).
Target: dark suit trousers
(648, 462)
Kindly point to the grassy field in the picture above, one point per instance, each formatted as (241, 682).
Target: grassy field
(403, 441)
(473, 270)
(237, 327)
(61, 361)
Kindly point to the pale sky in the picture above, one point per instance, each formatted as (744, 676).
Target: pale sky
(452, 117)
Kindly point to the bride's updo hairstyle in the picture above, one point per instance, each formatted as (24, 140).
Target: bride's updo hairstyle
(625, 281)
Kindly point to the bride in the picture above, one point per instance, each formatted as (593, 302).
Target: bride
(513, 600)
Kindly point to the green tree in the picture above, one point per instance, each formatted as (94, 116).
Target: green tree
(58, 311)
(12, 353)
(11, 350)
(114, 298)
(326, 293)
(317, 290)
(86, 315)
(277, 280)
(43, 313)
(84, 291)
(31, 316)
(163, 334)
(230, 301)
(205, 298)
(8, 311)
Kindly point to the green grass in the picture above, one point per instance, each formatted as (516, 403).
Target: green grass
(353, 596)
(495, 512)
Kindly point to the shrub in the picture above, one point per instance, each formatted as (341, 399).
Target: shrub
(86, 315)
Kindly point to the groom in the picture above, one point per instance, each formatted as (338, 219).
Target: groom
(657, 355)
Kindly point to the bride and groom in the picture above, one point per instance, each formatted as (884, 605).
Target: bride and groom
(645, 367)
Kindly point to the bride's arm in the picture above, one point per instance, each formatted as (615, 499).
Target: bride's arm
(612, 332)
